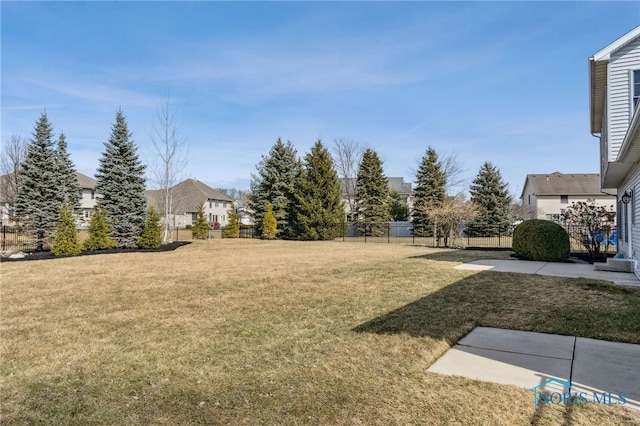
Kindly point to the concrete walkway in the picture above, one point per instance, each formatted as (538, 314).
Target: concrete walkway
(573, 270)
(548, 362)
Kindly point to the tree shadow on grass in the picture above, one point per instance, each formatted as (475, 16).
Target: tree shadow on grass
(517, 302)
(467, 255)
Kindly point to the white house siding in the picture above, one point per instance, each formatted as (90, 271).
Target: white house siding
(621, 64)
(631, 185)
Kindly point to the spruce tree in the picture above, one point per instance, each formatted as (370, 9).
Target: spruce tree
(65, 241)
(275, 184)
(319, 211)
(152, 234)
(490, 193)
(40, 196)
(200, 229)
(429, 192)
(398, 208)
(372, 195)
(68, 178)
(120, 180)
(99, 231)
(232, 230)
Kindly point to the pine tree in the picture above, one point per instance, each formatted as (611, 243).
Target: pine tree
(490, 193)
(99, 231)
(372, 195)
(232, 230)
(200, 229)
(40, 197)
(152, 234)
(319, 211)
(429, 192)
(275, 183)
(270, 224)
(398, 208)
(120, 180)
(65, 241)
(68, 178)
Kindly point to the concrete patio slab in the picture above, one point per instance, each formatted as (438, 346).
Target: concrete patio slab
(508, 368)
(547, 362)
(569, 270)
(607, 367)
(526, 342)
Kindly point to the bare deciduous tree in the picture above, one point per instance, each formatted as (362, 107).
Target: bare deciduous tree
(347, 155)
(14, 152)
(171, 153)
(447, 218)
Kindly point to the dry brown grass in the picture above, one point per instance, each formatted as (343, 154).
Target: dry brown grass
(256, 332)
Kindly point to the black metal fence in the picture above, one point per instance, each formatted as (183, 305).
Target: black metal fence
(15, 239)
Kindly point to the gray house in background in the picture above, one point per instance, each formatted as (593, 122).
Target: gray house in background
(395, 183)
(545, 195)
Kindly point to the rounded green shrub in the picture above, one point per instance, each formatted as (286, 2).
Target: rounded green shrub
(539, 239)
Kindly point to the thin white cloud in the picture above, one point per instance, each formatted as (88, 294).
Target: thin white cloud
(97, 92)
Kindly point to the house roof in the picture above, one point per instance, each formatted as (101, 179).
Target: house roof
(396, 183)
(188, 196)
(598, 67)
(557, 183)
(85, 181)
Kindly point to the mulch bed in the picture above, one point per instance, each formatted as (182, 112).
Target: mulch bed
(46, 254)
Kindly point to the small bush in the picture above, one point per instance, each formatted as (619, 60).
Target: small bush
(99, 231)
(200, 230)
(269, 224)
(543, 240)
(152, 234)
(65, 242)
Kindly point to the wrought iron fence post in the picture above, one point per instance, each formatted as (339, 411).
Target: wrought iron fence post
(388, 232)
(4, 238)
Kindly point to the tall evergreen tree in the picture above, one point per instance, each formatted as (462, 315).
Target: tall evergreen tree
(275, 184)
(40, 196)
(490, 193)
(232, 230)
(372, 195)
(429, 191)
(319, 211)
(68, 178)
(120, 180)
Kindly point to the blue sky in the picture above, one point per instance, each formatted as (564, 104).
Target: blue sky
(505, 82)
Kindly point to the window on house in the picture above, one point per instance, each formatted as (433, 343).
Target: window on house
(564, 199)
(216, 203)
(529, 197)
(209, 203)
(194, 217)
(636, 88)
(93, 194)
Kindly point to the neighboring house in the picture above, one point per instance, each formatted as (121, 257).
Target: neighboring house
(88, 198)
(614, 89)
(188, 196)
(245, 214)
(87, 201)
(395, 183)
(544, 196)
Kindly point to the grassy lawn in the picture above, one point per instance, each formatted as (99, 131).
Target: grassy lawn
(257, 332)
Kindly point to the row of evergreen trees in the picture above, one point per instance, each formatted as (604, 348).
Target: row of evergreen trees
(48, 191)
(305, 197)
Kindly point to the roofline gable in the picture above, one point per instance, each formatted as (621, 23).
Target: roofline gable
(604, 54)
